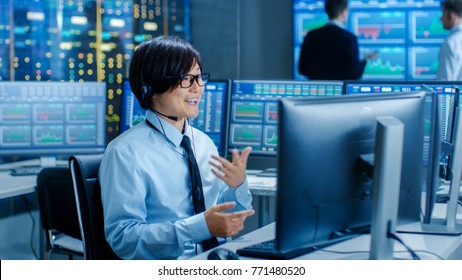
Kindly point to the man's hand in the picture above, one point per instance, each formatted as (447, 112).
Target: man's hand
(232, 173)
(222, 224)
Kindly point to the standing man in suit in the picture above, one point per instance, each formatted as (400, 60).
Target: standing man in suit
(331, 52)
(450, 56)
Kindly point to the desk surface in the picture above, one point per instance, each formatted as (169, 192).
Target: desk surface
(11, 186)
(425, 245)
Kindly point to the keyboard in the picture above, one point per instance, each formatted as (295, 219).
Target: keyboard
(267, 249)
(26, 170)
(262, 182)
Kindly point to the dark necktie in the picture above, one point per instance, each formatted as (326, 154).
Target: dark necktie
(196, 189)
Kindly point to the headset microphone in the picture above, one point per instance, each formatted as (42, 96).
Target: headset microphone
(170, 117)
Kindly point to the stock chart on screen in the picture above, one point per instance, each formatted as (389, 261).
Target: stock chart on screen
(407, 34)
(254, 110)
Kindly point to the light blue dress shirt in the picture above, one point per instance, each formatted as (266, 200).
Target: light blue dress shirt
(146, 192)
(450, 57)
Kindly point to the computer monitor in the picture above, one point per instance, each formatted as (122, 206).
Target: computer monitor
(449, 100)
(324, 184)
(212, 118)
(446, 92)
(52, 118)
(254, 116)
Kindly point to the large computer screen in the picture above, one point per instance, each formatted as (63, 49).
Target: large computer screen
(52, 118)
(407, 35)
(212, 118)
(254, 114)
(318, 164)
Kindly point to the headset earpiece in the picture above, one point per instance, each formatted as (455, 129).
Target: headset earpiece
(145, 91)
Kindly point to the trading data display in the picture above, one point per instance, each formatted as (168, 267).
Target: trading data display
(254, 111)
(446, 92)
(406, 34)
(49, 118)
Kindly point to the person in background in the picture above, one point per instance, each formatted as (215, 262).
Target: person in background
(450, 56)
(331, 52)
(149, 184)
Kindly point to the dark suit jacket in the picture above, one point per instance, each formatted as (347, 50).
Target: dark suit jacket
(330, 53)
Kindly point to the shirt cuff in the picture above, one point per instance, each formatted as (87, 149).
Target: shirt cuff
(193, 229)
(241, 195)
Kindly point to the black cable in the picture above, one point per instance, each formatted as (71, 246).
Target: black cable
(31, 244)
(395, 237)
(430, 253)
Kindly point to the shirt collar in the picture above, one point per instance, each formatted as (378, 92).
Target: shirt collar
(456, 28)
(336, 22)
(169, 130)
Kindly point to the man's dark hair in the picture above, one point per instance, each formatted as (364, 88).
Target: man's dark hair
(333, 8)
(157, 58)
(453, 6)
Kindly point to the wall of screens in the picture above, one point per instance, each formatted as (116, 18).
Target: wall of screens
(83, 40)
(407, 35)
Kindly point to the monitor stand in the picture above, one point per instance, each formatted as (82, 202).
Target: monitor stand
(387, 180)
(450, 223)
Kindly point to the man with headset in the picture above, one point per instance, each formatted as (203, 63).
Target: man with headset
(166, 193)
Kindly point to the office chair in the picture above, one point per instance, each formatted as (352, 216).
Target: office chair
(58, 213)
(84, 170)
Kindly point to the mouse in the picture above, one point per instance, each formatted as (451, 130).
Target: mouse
(222, 254)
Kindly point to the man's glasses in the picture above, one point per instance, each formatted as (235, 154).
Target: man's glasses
(186, 81)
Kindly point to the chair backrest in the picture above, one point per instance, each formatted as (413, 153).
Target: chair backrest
(84, 170)
(56, 201)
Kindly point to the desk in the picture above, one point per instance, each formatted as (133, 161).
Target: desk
(12, 186)
(447, 247)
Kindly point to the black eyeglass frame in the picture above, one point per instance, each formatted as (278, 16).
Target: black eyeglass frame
(204, 77)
